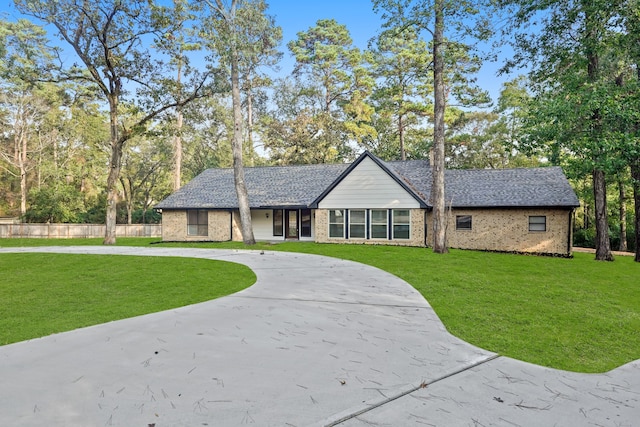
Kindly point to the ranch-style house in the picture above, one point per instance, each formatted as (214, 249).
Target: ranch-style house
(371, 201)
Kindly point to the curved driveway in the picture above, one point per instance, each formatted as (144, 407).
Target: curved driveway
(316, 341)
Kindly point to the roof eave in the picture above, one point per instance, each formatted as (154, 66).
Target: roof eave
(561, 206)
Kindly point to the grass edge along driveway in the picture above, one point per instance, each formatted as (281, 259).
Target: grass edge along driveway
(572, 314)
(46, 293)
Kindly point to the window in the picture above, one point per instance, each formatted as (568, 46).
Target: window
(336, 223)
(401, 223)
(537, 223)
(357, 224)
(379, 223)
(305, 223)
(197, 222)
(277, 222)
(463, 222)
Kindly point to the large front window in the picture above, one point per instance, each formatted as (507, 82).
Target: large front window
(336, 223)
(379, 223)
(197, 222)
(401, 223)
(357, 224)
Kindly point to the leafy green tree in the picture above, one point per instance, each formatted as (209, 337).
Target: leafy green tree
(208, 135)
(26, 60)
(178, 44)
(261, 52)
(337, 75)
(144, 175)
(630, 42)
(60, 202)
(574, 62)
(453, 28)
(402, 96)
(241, 37)
(110, 40)
(295, 131)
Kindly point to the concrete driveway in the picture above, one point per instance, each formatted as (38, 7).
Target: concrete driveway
(316, 341)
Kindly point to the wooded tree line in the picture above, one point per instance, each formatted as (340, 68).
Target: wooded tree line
(123, 101)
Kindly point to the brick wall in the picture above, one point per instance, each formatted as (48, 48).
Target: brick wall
(174, 227)
(237, 231)
(505, 230)
(508, 230)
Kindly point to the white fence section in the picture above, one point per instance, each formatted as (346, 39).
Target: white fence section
(68, 231)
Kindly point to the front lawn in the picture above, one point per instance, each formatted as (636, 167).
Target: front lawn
(46, 293)
(574, 314)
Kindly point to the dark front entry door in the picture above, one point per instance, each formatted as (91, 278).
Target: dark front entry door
(291, 224)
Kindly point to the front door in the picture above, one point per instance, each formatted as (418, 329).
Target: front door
(291, 224)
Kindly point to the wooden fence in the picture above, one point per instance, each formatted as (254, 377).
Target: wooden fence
(68, 231)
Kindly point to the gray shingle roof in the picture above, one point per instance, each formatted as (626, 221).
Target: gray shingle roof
(274, 186)
(473, 188)
(531, 187)
(300, 186)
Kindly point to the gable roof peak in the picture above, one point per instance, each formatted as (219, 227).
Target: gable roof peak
(404, 183)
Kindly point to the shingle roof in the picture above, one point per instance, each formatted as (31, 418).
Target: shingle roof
(473, 188)
(300, 186)
(274, 186)
(530, 187)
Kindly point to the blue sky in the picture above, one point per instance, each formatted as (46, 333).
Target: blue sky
(299, 15)
(362, 23)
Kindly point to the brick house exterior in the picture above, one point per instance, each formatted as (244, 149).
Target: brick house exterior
(374, 202)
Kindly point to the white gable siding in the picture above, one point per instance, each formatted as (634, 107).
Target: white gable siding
(368, 186)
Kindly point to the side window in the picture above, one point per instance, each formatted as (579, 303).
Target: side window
(357, 224)
(463, 222)
(379, 223)
(537, 223)
(197, 222)
(277, 222)
(336, 223)
(401, 224)
(305, 223)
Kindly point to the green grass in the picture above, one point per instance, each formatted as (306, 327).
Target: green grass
(43, 294)
(574, 314)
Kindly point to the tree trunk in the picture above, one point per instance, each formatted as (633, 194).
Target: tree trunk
(403, 155)
(177, 153)
(250, 125)
(635, 178)
(437, 189)
(603, 245)
(21, 157)
(114, 175)
(177, 141)
(238, 168)
(623, 217)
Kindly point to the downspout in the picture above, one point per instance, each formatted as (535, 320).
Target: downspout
(231, 225)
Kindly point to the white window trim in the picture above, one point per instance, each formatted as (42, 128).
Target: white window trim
(393, 224)
(371, 224)
(538, 223)
(358, 223)
(329, 223)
